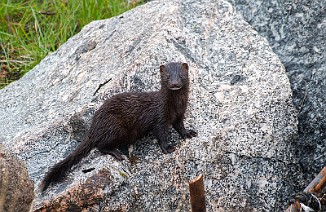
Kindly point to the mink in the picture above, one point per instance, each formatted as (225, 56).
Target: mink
(127, 117)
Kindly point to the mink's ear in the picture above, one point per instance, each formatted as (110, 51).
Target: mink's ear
(162, 68)
(185, 66)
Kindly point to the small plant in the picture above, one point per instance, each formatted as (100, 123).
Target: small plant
(29, 30)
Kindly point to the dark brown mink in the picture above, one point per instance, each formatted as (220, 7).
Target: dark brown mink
(127, 117)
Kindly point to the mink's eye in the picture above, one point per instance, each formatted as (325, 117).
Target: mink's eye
(181, 76)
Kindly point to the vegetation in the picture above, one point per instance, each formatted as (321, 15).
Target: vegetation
(30, 29)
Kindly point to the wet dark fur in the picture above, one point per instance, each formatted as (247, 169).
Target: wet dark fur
(127, 117)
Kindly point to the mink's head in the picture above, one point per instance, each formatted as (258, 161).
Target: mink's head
(174, 76)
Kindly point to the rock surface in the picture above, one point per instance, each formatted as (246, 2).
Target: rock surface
(296, 30)
(240, 104)
(16, 188)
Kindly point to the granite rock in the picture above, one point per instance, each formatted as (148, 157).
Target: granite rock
(240, 104)
(296, 30)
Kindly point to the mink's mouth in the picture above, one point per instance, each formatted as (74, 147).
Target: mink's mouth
(175, 88)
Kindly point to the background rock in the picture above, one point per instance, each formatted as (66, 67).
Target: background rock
(296, 30)
(16, 188)
(240, 104)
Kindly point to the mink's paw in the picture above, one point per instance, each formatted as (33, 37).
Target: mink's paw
(191, 133)
(168, 149)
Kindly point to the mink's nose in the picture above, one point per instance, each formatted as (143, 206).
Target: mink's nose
(174, 85)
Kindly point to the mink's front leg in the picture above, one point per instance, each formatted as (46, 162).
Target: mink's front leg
(161, 134)
(180, 128)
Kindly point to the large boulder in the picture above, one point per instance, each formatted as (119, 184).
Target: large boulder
(296, 30)
(240, 104)
(16, 188)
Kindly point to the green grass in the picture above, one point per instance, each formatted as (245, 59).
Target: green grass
(30, 29)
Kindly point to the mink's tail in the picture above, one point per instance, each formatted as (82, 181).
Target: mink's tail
(58, 171)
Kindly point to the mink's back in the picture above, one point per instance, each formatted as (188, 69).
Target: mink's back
(128, 116)
(133, 108)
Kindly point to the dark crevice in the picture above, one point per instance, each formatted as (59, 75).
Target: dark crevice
(101, 85)
(88, 170)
